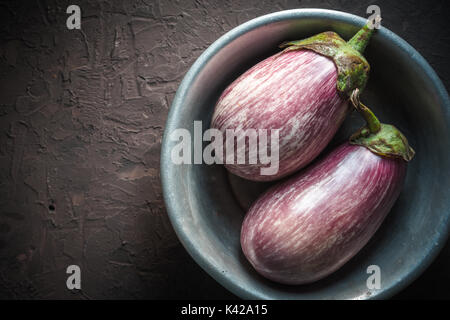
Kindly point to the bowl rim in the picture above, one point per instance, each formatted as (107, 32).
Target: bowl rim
(168, 179)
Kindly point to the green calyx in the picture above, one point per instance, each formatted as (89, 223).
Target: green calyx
(353, 68)
(382, 139)
(388, 142)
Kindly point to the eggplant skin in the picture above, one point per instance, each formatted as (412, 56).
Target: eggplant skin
(307, 227)
(294, 92)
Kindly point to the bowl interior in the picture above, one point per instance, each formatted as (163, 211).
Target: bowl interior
(206, 204)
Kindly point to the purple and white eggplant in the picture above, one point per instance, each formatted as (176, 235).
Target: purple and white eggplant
(307, 227)
(302, 92)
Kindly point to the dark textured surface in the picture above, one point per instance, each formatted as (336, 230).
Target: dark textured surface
(81, 119)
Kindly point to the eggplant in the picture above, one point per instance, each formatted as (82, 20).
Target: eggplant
(302, 92)
(307, 227)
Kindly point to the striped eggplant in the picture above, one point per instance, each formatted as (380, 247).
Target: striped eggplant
(302, 91)
(307, 227)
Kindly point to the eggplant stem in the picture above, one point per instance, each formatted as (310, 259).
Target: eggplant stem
(373, 124)
(360, 40)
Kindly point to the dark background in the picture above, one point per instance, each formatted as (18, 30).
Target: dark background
(81, 119)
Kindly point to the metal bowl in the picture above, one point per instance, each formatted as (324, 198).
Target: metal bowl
(206, 205)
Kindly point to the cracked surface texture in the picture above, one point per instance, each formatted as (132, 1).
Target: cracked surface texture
(81, 119)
